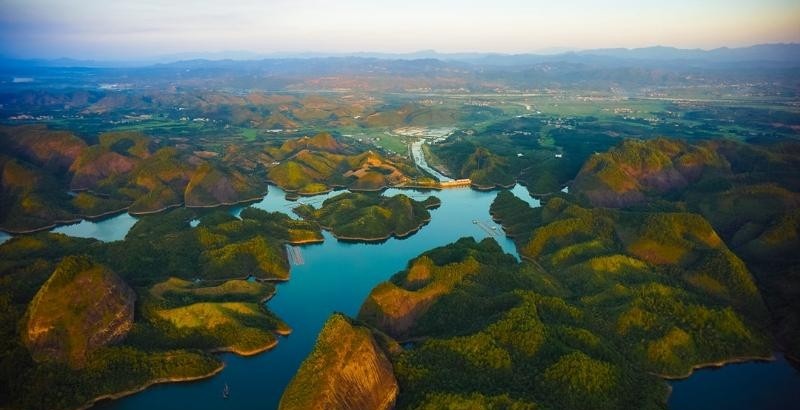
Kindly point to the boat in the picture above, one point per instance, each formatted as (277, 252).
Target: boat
(226, 391)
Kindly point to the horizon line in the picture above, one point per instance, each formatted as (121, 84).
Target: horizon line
(248, 55)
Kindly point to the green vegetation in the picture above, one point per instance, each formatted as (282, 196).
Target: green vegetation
(346, 370)
(80, 309)
(370, 217)
(748, 193)
(71, 332)
(629, 173)
(228, 316)
(603, 303)
(525, 149)
(131, 171)
(125, 170)
(313, 165)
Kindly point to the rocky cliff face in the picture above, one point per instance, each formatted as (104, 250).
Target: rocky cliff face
(346, 370)
(81, 308)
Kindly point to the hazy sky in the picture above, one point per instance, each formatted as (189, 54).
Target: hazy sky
(130, 29)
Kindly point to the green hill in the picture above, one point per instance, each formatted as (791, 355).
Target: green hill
(80, 309)
(603, 302)
(370, 217)
(346, 370)
(748, 192)
(320, 163)
(629, 173)
(64, 315)
(226, 317)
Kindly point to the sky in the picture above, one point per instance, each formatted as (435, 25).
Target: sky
(137, 29)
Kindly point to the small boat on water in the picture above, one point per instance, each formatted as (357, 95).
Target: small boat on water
(226, 391)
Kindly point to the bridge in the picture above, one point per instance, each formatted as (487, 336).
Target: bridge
(491, 230)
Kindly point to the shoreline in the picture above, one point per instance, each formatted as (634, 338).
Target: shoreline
(155, 211)
(486, 188)
(716, 365)
(119, 395)
(95, 218)
(710, 365)
(246, 353)
(390, 235)
(67, 222)
(219, 204)
(164, 380)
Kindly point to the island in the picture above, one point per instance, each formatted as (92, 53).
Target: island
(368, 217)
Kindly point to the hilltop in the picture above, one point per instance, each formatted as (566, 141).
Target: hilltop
(370, 217)
(318, 164)
(747, 192)
(347, 370)
(484, 330)
(73, 333)
(52, 177)
(81, 308)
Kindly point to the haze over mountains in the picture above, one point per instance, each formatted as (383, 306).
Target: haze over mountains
(784, 53)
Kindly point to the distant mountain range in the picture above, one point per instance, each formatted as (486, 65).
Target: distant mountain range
(781, 54)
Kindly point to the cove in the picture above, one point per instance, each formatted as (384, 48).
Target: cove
(336, 277)
(773, 385)
(107, 230)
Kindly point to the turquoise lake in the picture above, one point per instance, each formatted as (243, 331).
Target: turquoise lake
(106, 230)
(337, 276)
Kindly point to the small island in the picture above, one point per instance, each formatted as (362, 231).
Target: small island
(370, 217)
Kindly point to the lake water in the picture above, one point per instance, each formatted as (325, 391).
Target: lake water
(336, 277)
(106, 230)
(742, 386)
(276, 201)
